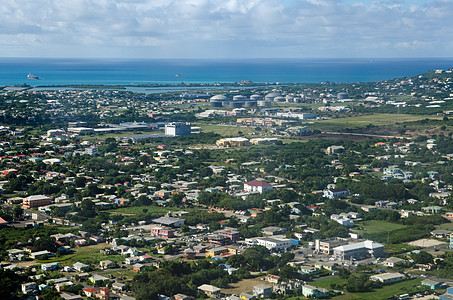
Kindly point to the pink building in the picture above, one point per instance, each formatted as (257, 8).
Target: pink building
(162, 232)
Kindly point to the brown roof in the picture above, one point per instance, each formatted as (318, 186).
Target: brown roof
(257, 183)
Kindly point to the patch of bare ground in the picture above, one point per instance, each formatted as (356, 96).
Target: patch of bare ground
(245, 285)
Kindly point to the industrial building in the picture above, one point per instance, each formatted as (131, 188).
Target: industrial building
(359, 250)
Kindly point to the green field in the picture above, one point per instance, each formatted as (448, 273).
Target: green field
(87, 255)
(446, 226)
(134, 210)
(376, 226)
(375, 120)
(385, 292)
(227, 131)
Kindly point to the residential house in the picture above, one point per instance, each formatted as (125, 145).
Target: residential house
(309, 270)
(387, 277)
(131, 260)
(259, 186)
(392, 261)
(120, 287)
(138, 267)
(50, 266)
(97, 279)
(335, 193)
(210, 290)
(90, 292)
(80, 267)
(107, 264)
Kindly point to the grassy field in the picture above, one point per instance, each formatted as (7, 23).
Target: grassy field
(87, 255)
(385, 292)
(134, 210)
(375, 120)
(376, 226)
(393, 249)
(446, 226)
(227, 131)
(104, 136)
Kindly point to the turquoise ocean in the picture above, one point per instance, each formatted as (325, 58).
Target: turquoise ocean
(13, 71)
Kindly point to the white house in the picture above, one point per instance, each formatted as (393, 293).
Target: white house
(335, 193)
(257, 186)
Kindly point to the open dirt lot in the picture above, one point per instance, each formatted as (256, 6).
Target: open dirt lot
(245, 285)
(425, 243)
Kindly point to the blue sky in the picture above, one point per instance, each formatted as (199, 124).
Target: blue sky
(226, 28)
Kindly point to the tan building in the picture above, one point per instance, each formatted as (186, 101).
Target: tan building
(35, 201)
(233, 142)
(216, 251)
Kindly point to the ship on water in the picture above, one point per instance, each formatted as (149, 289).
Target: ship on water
(31, 76)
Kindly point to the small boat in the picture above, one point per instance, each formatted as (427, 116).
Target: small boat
(31, 76)
(178, 75)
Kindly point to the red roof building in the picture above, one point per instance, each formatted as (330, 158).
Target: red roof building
(259, 186)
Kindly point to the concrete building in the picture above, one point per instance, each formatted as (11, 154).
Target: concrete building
(29, 288)
(326, 246)
(274, 244)
(35, 201)
(177, 129)
(262, 290)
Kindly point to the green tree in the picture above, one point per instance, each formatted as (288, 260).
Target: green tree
(46, 243)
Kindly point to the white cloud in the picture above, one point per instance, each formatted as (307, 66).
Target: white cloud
(233, 28)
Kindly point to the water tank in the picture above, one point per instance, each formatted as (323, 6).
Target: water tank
(216, 104)
(250, 103)
(264, 103)
(218, 101)
(256, 97)
(341, 96)
(239, 98)
(219, 98)
(272, 95)
(236, 104)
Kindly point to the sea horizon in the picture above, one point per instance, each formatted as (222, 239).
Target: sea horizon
(133, 71)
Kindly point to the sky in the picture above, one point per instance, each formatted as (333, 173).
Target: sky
(226, 28)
